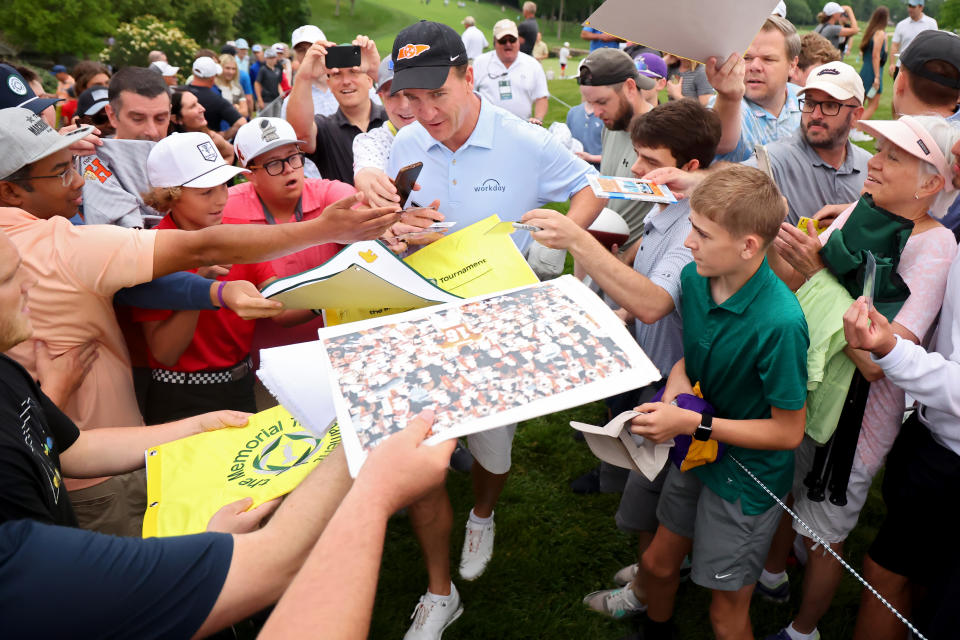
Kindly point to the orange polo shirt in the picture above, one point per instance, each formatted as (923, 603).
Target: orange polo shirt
(78, 269)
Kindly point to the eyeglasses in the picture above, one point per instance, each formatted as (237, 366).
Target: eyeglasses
(275, 167)
(507, 40)
(827, 108)
(66, 176)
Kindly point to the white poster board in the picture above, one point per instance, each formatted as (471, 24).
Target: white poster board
(479, 363)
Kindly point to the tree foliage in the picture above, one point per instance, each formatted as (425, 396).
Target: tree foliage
(51, 26)
(134, 40)
(264, 19)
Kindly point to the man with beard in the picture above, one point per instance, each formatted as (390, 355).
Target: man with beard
(612, 86)
(818, 165)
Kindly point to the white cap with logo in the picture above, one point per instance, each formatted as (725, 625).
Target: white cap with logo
(838, 79)
(188, 160)
(505, 27)
(26, 137)
(261, 135)
(307, 33)
(206, 68)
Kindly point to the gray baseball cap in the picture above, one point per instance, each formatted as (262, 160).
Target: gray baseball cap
(384, 73)
(26, 137)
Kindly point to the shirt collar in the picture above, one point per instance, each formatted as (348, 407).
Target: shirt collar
(482, 134)
(815, 160)
(10, 216)
(667, 217)
(377, 116)
(744, 297)
(790, 107)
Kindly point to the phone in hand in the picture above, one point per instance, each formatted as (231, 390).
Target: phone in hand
(406, 178)
(343, 56)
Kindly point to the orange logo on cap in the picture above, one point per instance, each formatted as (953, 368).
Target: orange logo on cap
(411, 51)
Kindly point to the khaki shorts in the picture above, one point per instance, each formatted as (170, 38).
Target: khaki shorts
(491, 449)
(114, 506)
(729, 547)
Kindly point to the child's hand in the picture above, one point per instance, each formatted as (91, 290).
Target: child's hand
(659, 422)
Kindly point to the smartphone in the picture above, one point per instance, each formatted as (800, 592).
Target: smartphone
(406, 178)
(343, 56)
(872, 92)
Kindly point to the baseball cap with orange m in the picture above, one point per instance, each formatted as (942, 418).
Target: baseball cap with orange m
(423, 54)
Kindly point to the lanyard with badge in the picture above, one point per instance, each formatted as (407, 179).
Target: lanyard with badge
(297, 213)
(503, 85)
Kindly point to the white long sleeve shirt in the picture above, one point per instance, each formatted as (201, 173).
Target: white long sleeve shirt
(933, 377)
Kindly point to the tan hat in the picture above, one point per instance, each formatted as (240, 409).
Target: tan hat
(505, 27)
(838, 79)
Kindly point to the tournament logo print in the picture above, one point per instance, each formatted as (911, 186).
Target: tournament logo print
(268, 132)
(16, 85)
(284, 453)
(208, 151)
(411, 51)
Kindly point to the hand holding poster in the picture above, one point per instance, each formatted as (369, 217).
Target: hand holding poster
(479, 363)
(189, 479)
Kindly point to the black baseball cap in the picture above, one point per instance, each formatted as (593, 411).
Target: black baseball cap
(15, 92)
(423, 54)
(607, 66)
(92, 101)
(933, 45)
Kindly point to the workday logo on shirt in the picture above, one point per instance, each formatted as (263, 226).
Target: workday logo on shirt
(490, 184)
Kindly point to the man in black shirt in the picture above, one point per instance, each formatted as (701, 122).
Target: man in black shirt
(217, 109)
(269, 76)
(528, 29)
(329, 139)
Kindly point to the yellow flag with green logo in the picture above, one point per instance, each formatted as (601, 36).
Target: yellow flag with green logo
(188, 480)
(469, 262)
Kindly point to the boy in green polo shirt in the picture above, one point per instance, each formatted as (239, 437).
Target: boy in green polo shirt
(745, 341)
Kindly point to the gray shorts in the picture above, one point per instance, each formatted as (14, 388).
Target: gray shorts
(638, 505)
(729, 548)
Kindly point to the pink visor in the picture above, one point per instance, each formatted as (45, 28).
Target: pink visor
(907, 134)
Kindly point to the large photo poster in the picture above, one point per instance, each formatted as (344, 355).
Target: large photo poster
(479, 364)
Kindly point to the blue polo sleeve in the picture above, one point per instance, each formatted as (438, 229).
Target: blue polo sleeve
(560, 173)
(183, 291)
(115, 587)
(245, 83)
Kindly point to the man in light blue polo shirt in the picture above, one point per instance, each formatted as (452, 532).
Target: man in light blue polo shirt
(477, 160)
(755, 101)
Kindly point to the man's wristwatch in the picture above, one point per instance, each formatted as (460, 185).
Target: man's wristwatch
(705, 429)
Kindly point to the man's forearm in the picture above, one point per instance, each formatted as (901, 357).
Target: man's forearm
(728, 111)
(585, 207)
(328, 573)
(232, 131)
(631, 290)
(114, 450)
(300, 113)
(540, 108)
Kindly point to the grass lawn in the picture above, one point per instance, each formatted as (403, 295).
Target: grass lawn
(552, 547)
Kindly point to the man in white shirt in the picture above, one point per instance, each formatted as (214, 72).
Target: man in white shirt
(510, 78)
(907, 29)
(473, 39)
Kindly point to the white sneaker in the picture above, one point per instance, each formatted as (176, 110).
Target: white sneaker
(626, 575)
(431, 617)
(477, 549)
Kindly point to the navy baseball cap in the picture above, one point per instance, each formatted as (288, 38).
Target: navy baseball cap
(423, 54)
(15, 92)
(58, 68)
(933, 45)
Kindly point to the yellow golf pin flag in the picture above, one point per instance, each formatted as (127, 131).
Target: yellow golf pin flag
(188, 480)
(469, 262)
